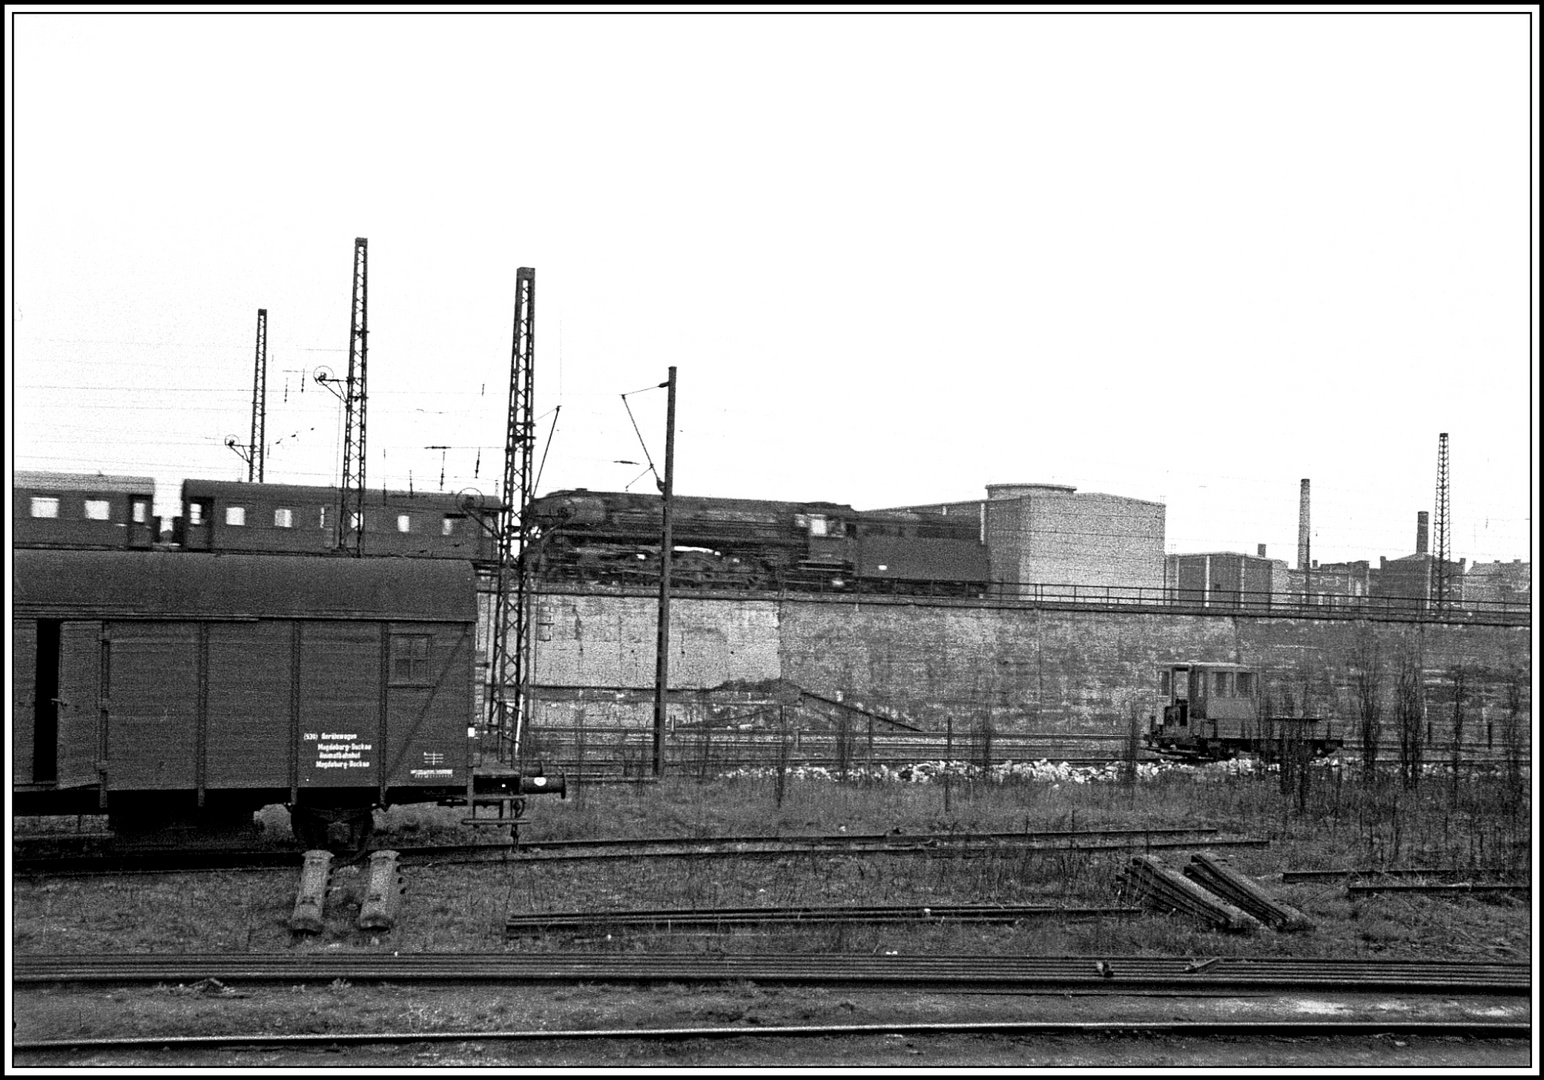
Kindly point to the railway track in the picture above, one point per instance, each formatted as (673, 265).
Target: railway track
(1516, 1029)
(1021, 973)
(533, 924)
(178, 860)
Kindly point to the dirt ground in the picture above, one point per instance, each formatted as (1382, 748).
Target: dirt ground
(56, 1013)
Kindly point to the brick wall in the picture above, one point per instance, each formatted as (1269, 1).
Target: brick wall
(1039, 671)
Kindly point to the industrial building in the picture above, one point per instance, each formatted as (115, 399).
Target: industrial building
(1041, 535)
(1221, 579)
(1499, 583)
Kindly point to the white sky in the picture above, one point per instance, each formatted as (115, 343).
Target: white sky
(1189, 257)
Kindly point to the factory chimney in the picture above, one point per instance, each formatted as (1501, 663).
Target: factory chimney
(1421, 519)
(1302, 529)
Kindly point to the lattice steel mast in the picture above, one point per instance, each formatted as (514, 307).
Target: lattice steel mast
(259, 400)
(509, 673)
(1439, 570)
(351, 491)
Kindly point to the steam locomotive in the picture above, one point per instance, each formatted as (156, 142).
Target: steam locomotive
(611, 537)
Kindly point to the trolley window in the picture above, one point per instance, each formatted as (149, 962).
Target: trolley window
(97, 510)
(448, 525)
(45, 506)
(139, 510)
(404, 523)
(235, 515)
(283, 518)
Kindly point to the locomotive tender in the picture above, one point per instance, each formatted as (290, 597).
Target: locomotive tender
(1212, 712)
(613, 538)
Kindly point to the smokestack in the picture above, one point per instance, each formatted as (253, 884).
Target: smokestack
(1302, 529)
(1261, 550)
(1421, 520)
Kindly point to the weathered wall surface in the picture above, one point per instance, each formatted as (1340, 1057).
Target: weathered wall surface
(1037, 671)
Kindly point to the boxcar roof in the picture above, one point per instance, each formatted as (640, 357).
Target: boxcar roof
(89, 482)
(186, 585)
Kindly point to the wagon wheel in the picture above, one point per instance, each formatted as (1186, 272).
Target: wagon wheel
(343, 831)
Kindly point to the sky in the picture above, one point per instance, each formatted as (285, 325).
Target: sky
(1188, 258)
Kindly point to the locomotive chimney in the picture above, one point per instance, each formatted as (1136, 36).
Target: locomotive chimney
(1421, 520)
(1302, 529)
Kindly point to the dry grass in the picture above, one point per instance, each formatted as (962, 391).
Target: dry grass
(453, 908)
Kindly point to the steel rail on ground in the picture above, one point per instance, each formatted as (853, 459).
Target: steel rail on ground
(1021, 972)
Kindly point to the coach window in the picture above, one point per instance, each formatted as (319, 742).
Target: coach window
(45, 506)
(235, 515)
(404, 523)
(410, 659)
(283, 518)
(138, 510)
(448, 526)
(97, 510)
(197, 510)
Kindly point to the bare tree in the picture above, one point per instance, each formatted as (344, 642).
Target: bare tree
(1367, 680)
(1512, 730)
(1410, 712)
(1461, 676)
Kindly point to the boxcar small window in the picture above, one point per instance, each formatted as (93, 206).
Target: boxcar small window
(235, 515)
(97, 510)
(409, 659)
(448, 526)
(284, 518)
(45, 506)
(404, 523)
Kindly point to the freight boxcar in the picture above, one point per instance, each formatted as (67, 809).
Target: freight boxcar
(83, 510)
(175, 687)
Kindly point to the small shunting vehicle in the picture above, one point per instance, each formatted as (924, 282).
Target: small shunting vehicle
(1212, 712)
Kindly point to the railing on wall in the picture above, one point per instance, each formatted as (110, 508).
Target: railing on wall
(1128, 597)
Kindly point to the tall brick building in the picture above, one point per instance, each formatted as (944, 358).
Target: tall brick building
(1052, 534)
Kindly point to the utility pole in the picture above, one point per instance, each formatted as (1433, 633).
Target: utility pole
(666, 549)
(1439, 571)
(259, 399)
(351, 492)
(509, 674)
